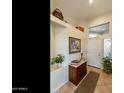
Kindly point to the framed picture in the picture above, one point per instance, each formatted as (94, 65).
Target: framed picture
(74, 45)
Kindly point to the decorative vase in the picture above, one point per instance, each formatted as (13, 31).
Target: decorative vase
(57, 13)
(57, 65)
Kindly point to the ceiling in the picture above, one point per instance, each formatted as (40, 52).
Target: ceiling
(82, 9)
(101, 29)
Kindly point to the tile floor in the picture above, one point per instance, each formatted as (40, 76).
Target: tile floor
(104, 84)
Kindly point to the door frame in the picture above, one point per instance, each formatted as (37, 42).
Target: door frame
(102, 50)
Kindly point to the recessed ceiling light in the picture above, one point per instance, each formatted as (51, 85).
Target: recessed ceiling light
(90, 1)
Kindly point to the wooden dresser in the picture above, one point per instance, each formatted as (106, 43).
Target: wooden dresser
(77, 72)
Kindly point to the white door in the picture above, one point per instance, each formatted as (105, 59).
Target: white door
(95, 52)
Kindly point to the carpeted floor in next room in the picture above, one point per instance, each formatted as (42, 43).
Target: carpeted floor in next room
(104, 84)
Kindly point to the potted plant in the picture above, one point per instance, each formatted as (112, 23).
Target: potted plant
(58, 60)
(107, 64)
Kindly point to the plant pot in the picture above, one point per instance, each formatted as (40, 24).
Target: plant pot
(59, 64)
(55, 66)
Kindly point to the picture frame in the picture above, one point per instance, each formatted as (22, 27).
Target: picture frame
(74, 45)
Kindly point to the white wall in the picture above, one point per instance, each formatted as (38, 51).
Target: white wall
(52, 41)
(58, 78)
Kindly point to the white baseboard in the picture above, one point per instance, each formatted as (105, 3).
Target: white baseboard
(59, 87)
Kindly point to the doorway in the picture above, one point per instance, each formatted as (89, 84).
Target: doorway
(97, 44)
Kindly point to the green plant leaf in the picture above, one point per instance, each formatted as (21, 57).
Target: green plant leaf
(58, 59)
(107, 64)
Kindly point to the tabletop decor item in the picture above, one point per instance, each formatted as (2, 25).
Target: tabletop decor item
(80, 28)
(81, 56)
(57, 13)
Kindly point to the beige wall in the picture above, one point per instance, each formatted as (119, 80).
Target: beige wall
(70, 20)
(52, 40)
(84, 23)
(52, 5)
(101, 20)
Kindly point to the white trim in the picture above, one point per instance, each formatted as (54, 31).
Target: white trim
(61, 23)
(58, 87)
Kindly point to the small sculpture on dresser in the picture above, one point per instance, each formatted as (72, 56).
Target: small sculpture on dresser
(81, 56)
(77, 61)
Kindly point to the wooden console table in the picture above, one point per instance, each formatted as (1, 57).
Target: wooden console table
(77, 72)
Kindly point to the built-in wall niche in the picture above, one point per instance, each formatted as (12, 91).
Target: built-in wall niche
(58, 32)
(61, 32)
